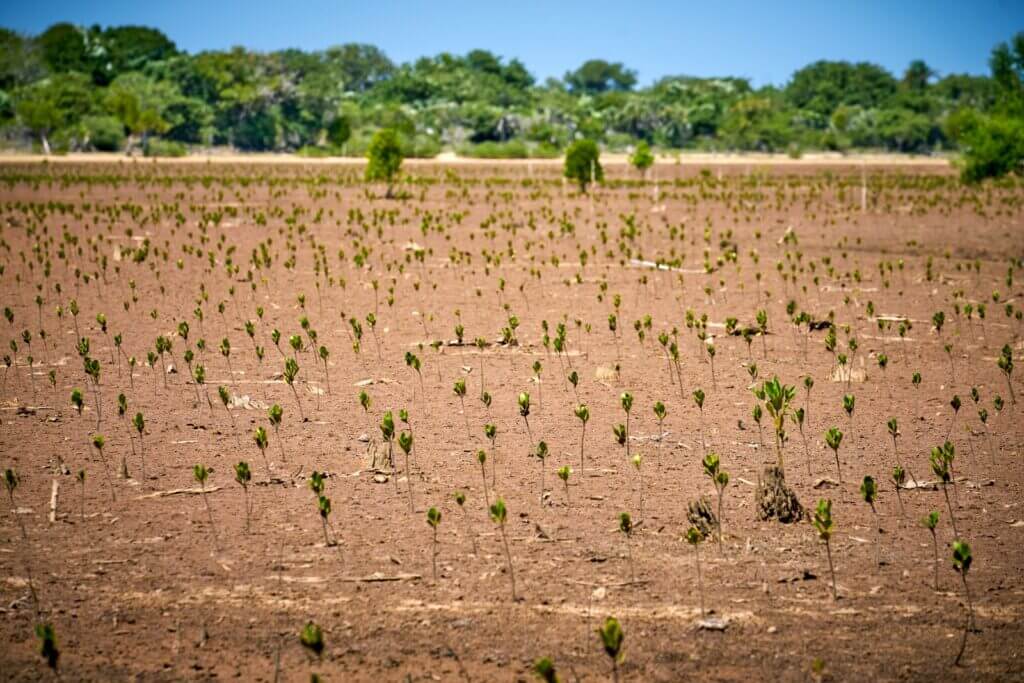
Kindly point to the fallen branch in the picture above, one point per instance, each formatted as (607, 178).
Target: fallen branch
(174, 492)
(377, 577)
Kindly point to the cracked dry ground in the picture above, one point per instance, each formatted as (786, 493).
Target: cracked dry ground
(140, 585)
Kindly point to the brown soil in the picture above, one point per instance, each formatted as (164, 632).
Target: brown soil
(144, 587)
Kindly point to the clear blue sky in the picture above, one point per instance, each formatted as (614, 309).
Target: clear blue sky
(763, 41)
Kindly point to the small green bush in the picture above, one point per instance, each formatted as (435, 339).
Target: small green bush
(157, 147)
(103, 133)
(582, 163)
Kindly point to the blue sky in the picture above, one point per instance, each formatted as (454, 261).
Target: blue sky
(763, 41)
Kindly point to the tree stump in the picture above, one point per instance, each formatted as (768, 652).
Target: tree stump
(701, 515)
(773, 499)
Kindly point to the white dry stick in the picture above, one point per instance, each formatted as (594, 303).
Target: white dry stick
(53, 500)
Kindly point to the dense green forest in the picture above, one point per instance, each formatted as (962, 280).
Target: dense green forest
(92, 88)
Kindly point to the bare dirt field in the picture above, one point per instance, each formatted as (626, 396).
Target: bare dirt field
(145, 574)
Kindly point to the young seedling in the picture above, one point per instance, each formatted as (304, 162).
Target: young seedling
(849, 403)
(778, 397)
(524, 412)
(931, 522)
(941, 460)
(720, 479)
(259, 435)
(48, 649)
(574, 380)
(660, 412)
(491, 432)
(323, 506)
(823, 523)
(80, 477)
(275, 414)
(583, 414)
(434, 520)
(405, 443)
(564, 472)
(98, 442)
(202, 474)
(834, 437)
(291, 369)
(1005, 364)
(899, 480)
(312, 639)
(499, 514)
(481, 457)
(544, 669)
(460, 390)
(955, 404)
(611, 638)
(387, 431)
(694, 537)
(243, 476)
(537, 369)
(626, 400)
(962, 563)
(626, 527)
(869, 491)
(541, 453)
(799, 417)
(698, 398)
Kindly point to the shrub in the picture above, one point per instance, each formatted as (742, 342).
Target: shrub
(385, 158)
(582, 163)
(103, 133)
(155, 147)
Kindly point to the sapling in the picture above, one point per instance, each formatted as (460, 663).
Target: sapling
(930, 522)
(694, 537)
(460, 390)
(312, 639)
(899, 480)
(626, 400)
(481, 457)
(537, 368)
(77, 401)
(524, 412)
(869, 491)
(564, 472)
(544, 669)
(849, 403)
(941, 460)
(291, 369)
(387, 431)
(202, 474)
(611, 639)
(574, 380)
(499, 514)
(98, 442)
(225, 400)
(823, 523)
(48, 649)
(583, 414)
(434, 520)
(405, 443)
(491, 432)
(140, 426)
(80, 477)
(259, 435)
(757, 413)
(808, 385)
(275, 414)
(798, 416)
(626, 527)
(720, 479)
(962, 563)
(955, 404)
(243, 476)
(460, 500)
(1005, 363)
(660, 412)
(323, 506)
(834, 437)
(541, 453)
(698, 398)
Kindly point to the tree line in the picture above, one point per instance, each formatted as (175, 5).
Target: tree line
(75, 88)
